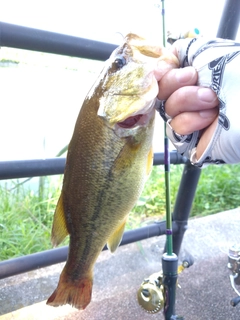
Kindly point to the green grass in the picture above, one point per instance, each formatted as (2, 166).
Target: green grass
(218, 190)
(26, 216)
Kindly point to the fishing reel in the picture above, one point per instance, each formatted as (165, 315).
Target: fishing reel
(151, 294)
(234, 266)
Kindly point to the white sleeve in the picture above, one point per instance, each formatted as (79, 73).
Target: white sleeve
(218, 64)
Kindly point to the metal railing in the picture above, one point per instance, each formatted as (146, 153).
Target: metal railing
(44, 41)
(51, 42)
(39, 167)
(54, 166)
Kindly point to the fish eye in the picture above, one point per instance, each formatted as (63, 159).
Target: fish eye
(119, 62)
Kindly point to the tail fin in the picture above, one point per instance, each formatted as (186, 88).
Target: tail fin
(74, 292)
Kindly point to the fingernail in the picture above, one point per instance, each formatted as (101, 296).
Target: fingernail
(206, 94)
(210, 113)
(185, 74)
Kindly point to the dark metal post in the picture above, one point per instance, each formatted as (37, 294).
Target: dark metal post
(51, 42)
(38, 167)
(229, 23)
(183, 204)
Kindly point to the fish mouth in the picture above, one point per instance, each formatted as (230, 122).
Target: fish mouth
(133, 123)
(129, 118)
(130, 122)
(137, 120)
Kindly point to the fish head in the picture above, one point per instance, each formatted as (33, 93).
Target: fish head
(129, 86)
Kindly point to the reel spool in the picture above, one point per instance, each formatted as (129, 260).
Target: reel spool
(234, 262)
(234, 266)
(150, 293)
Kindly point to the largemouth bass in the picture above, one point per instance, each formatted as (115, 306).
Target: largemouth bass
(109, 157)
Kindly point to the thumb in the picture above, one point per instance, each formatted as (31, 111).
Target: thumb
(166, 62)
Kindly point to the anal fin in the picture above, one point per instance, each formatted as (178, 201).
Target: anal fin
(116, 237)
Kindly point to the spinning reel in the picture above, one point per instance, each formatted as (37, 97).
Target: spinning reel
(234, 266)
(155, 291)
(150, 294)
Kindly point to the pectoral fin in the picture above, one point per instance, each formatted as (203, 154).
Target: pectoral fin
(116, 237)
(59, 228)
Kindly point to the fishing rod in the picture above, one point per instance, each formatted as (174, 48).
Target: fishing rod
(159, 290)
(169, 259)
(169, 245)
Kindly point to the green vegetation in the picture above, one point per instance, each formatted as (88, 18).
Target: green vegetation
(26, 215)
(218, 190)
(8, 61)
(25, 219)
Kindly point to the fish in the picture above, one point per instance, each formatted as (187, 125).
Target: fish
(109, 159)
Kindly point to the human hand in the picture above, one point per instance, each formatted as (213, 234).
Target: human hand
(202, 122)
(191, 107)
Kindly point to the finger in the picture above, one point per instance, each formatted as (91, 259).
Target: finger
(188, 122)
(205, 138)
(175, 79)
(164, 65)
(174, 48)
(190, 98)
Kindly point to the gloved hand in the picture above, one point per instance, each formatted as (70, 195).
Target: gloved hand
(217, 63)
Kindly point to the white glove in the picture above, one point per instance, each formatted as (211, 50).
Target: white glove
(218, 65)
